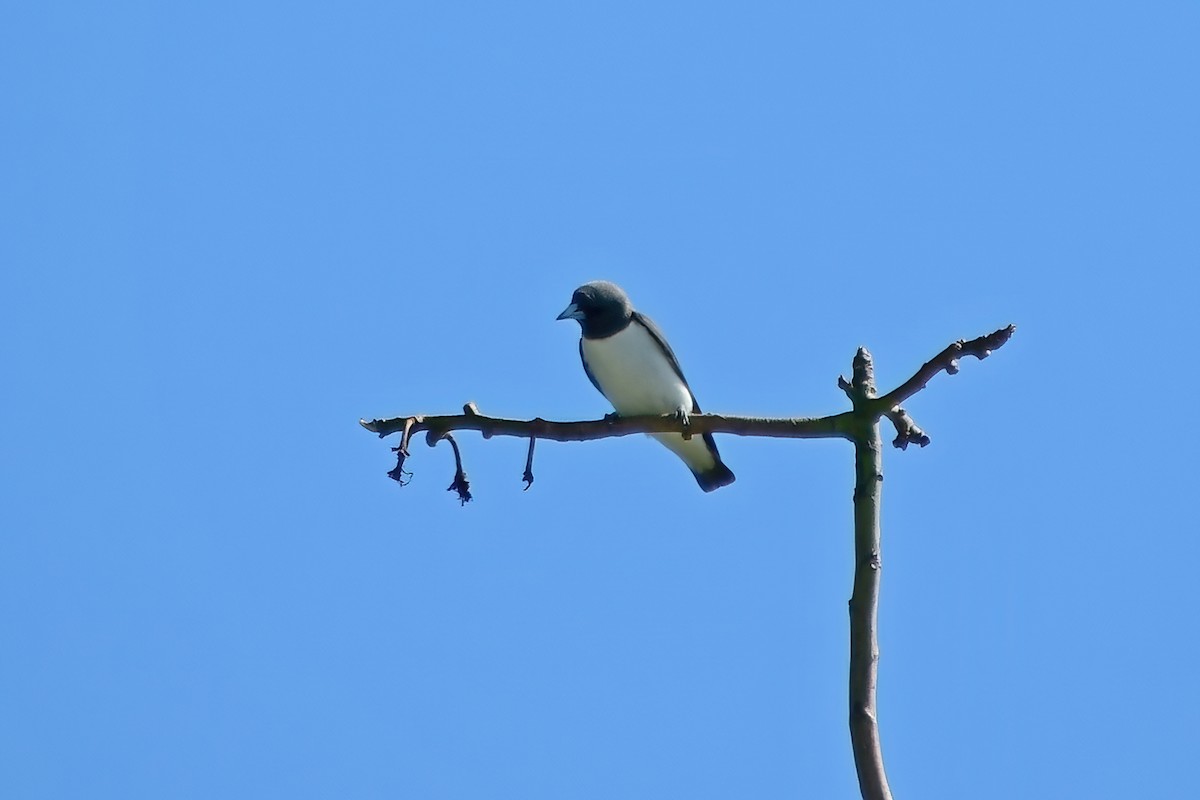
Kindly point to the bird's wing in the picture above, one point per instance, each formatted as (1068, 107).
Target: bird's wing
(657, 335)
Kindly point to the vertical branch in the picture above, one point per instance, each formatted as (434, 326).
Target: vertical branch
(864, 602)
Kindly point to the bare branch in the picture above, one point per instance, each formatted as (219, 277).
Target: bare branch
(947, 360)
(864, 602)
(837, 426)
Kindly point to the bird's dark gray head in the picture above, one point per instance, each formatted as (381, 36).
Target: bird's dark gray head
(602, 309)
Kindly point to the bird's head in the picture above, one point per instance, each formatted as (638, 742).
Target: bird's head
(600, 307)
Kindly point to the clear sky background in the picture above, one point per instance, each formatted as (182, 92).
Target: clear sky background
(229, 230)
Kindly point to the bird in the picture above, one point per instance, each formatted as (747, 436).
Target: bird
(627, 358)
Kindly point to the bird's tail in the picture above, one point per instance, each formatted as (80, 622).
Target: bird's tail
(701, 456)
(715, 477)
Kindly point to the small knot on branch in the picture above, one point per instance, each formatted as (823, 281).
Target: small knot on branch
(983, 346)
(470, 411)
(907, 431)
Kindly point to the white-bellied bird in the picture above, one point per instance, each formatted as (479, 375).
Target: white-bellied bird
(628, 359)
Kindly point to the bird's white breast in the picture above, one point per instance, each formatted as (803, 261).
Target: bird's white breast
(635, 374)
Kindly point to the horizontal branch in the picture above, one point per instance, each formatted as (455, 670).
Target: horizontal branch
(851, 425)
(838, 426)
(847, 425)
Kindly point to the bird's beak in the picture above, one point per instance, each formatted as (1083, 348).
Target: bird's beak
(571, 312)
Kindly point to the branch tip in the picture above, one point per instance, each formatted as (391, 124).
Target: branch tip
(947, 361)
(861, 386)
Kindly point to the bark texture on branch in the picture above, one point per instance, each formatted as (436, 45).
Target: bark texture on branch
(864, 602)
(438, 427)
(831, 427)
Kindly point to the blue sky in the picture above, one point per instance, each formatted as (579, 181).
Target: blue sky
(230, 231)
